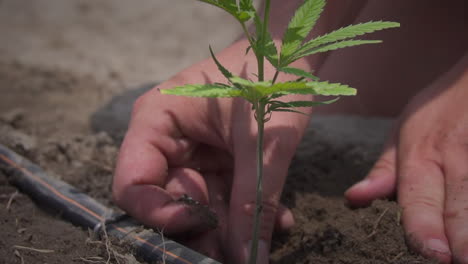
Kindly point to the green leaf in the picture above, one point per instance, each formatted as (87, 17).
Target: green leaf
(317, 88)
(231, 7)
(302, 103)
(298, 72)
(279, 106)
(348, 32)
(300, 26)
(246, 5)
(333, 46)
(221, 68)
(270, 51)
(288, 110)
(244, 16)
(251, 91)
(248, 49)
(241, 81)
(203, 90)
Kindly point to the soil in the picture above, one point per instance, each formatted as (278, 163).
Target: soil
(57, 95)
(45, 118)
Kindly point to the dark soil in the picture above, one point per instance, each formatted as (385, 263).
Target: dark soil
(45, 117)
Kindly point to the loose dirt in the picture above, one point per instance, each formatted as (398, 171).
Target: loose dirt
(65, 64)
(45, 116)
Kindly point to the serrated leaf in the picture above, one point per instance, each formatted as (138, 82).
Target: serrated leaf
(203, 90)
(348, 32)
(221, 68)
(241, 81)
(317, 88)
(298, 72)
(248, 49)
(228, 5)
(251, 91)
(231, 7)
(269, 51)
(333, 46)
(278, 106)
(302, 103)
(246, 5)
(289, 110)
(300, 25)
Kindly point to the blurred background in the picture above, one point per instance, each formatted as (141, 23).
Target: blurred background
(135, 41)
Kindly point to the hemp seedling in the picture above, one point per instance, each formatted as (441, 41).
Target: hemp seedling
(264, 94)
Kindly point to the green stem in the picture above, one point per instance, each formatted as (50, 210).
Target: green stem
(261, 57)
(247, 34)
(275, 77)
(260, 117)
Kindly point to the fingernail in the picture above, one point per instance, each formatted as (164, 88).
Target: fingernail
(263, 252)
(438, 246)
(360, 185)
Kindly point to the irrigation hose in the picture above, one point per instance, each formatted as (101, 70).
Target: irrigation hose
(80, 209)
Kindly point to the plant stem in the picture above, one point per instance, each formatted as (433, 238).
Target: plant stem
(247, 34)
(275, 77)
(261, 57)
(260, 117)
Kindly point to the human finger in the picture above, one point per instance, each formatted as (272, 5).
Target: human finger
(456, 201)
(380, 182)
(211, 242)
(284, 218)
(151, 147)
(421, 195)
(281, 138)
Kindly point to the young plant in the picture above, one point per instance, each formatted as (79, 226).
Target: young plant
(264, 95)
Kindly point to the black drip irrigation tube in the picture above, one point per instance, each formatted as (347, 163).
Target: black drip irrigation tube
(82, 210)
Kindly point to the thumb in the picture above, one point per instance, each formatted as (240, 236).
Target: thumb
(279, 146)
(380, 182)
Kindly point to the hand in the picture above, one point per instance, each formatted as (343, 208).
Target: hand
(427, 159)
(205, 148)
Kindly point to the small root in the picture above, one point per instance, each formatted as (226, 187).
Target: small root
(110, 251)
(164, 256)
(376, 224)
(394, 259)
(18, 255)
(91, 260)
(99, 165)
(10, 201)
(44, 251)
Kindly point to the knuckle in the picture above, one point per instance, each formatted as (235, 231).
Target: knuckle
(450, 137)
(422, 203)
